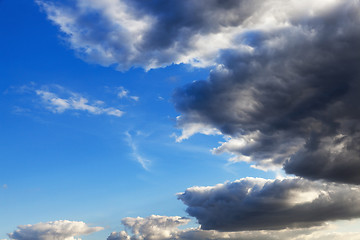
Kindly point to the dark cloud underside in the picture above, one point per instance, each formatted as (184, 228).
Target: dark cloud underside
(258, 204)
(295, 95)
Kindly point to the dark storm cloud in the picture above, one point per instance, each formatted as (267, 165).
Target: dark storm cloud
(259, 204)
(178, 21)
(149, 34)
(291, 100)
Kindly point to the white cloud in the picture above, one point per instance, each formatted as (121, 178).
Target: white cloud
(189, 129)
(144, 162)
(57, 230)
(124, 93)
(73, 101)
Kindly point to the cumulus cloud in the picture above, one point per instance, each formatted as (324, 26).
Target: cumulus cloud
(57, 230)
(289, 100)
(73, 101)
(167, 228)
(260, 204)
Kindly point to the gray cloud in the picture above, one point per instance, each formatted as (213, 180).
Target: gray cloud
(153, 33)
(290, 99)
(167, 228)
(259, 204)
(57, 230)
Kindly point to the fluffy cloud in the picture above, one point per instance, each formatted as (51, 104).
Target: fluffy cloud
(259, 204)
(57, 230)
(73, 101)
(167, 228)
(289, 100)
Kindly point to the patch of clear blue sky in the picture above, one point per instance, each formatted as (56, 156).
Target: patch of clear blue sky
(79, 166)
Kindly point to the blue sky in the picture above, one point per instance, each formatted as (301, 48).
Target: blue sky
(103, 131)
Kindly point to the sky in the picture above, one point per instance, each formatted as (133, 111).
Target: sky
(165, 119)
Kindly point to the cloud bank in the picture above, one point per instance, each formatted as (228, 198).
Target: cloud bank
(260, 204)
(57, 230)
(167, 228)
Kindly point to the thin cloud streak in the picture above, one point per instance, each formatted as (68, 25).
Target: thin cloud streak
(75, 102)
(144, 162)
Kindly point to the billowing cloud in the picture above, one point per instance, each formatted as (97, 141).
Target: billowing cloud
(167, 228)
(289, 100)
(57, 230)
(259, 204)
(151, 34)
(159, 33)
(73, 101)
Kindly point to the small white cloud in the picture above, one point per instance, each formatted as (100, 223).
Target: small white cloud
(135, 98)
(189, 129)
(57, 230)
(124, 93)
(74, 101)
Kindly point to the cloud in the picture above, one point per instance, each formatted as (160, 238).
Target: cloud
(285, 81)
(57, 230)
(124, 93)
(144, 162)
(167, 228)
(190, 129)
(288, 100)
(73, 101)
(260, 204)
(159, 33)
(282, 91)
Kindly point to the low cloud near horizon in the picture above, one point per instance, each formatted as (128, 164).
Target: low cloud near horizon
(57, 230)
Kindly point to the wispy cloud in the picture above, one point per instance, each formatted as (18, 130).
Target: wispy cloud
(124, 93)
(144, 162)
(74, 101)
